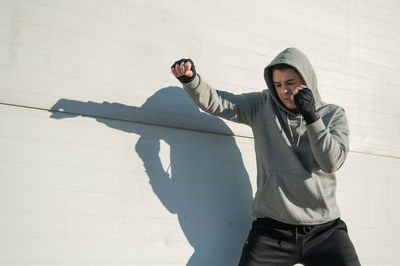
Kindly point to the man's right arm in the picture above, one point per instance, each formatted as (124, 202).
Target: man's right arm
(240, 108)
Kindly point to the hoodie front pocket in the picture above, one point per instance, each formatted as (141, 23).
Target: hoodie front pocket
(286, 192)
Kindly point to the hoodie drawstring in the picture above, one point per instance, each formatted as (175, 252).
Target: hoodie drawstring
(291, 132)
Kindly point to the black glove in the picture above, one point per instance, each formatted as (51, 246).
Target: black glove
(305, 103)
(186, 79)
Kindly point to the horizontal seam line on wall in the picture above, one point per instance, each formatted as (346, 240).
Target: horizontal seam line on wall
(132, 121)
(169, 126)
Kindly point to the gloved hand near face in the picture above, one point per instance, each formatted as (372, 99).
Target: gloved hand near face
(305, 103)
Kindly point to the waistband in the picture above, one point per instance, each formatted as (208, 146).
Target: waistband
(281, 225)
(296, 229)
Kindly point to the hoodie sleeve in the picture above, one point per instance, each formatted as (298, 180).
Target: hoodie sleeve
(330, 143)
(239, 108)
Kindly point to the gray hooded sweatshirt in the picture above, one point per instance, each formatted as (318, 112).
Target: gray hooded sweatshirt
(296, 162)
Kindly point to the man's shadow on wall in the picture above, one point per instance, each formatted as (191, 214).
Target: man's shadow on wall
(206, 185)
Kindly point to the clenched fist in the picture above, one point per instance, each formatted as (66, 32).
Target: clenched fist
(305, 103)
(184, 70)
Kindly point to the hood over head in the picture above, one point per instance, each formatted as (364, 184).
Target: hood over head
(297, 59)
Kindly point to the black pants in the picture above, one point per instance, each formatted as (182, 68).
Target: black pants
(272, 243)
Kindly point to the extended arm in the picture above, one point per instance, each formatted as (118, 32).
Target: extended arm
(239, 108)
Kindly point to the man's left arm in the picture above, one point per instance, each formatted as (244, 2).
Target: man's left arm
(329, 142)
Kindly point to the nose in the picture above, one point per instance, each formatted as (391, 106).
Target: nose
(286, 89)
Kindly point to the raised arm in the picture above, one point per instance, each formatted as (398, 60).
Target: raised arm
(240, 108)
(329, 139)
(330, 143)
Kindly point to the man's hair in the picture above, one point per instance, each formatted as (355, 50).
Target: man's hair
(282, 66)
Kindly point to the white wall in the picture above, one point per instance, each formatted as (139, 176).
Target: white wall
(126, 170)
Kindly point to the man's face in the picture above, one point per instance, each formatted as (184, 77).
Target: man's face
(287, 83)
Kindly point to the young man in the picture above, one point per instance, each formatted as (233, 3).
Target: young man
(300, 142)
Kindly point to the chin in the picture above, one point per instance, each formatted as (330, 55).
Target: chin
(291, 107)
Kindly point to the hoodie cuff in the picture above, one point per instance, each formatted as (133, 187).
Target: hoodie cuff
(193, 84)
(311, 117)
(316, 127)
